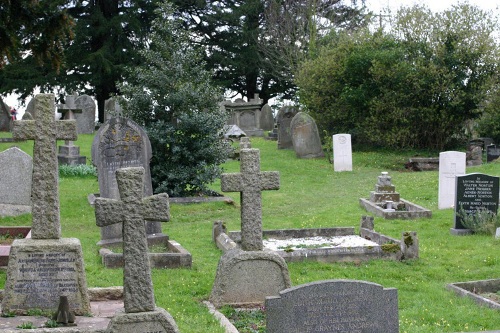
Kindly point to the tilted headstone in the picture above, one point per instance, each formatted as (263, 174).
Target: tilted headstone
(250, 182)
(121, 143)
(451, 164)
(15, 177)
(45, 267)
(141, 314)
(474, 192)
(283, 121)
(246, 276)
(305, 136)
(266, 118)
(334, 306)
(85, 121)
(342, 152)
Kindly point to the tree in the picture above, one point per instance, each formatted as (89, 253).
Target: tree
(170, 93)
(415, 87)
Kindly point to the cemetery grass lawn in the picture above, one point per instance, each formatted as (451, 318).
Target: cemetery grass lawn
(311, 195)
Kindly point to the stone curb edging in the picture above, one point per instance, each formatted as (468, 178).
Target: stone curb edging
(224, 322)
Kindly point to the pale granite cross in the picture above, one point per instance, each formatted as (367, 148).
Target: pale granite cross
(250, 182)
(131, 210)
(45, 131)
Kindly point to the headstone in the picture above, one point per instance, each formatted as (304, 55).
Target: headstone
(85, 121)
(474, 155)
(342, 152)
(246, 276)
(451, 164)
(45, 267)
(141, 314)
(305, 136)
(112, 109)
(121, 143)
(246, 115)
(15, 177)
(334, 306)
(474, 192)
(283, 121)
(492, 153)
(5, 117)
(29, 113)
(69, 154)
(266, 118)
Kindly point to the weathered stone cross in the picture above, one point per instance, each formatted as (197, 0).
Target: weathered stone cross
(45, 131)
(132, 210)
(68, 111)
(250, 182)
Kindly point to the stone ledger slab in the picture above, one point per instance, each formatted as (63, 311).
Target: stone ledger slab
(157, 321)
(334, 306)
(41, 270)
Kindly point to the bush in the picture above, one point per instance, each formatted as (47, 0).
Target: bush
(483, 221)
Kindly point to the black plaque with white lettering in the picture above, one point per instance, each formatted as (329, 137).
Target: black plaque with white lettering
(473, 192)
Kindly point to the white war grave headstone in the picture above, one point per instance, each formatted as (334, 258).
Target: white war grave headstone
(130, 211)
(45, 267)
(342, 152)
(451, 164)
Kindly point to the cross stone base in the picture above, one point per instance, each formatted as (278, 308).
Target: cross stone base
(41, 270)
(158, 320)
(246, 278)
(70, 155)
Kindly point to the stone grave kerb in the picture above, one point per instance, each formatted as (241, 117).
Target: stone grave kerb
(250, 182)
(132, 210)
(45, 131)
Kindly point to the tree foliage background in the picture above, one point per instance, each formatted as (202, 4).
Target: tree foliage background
(417, 86)
(170, 93)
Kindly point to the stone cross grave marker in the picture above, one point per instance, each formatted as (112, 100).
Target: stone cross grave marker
(474, 192)
(342, 152)
(250, 182)
(451, 164)
(45, 131)
(69, 153)
(131, 211)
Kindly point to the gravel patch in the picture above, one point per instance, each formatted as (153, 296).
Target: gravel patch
(317, 242)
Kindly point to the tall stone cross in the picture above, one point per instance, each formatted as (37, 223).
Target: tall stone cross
(45, 131)
(68, 110)
(131, 210)
(250, 182)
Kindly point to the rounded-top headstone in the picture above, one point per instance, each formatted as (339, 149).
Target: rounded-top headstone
(266, 118)
(305, 136)
(283, 120)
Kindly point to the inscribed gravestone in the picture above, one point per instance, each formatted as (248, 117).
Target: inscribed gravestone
(85, 121)
(334, 306)
(15, 177)
(121, 143)
(451, 164)
(45, 267)
(283, 120)
(342, 152)
(474, 192)
(266, 118)
(305, 136)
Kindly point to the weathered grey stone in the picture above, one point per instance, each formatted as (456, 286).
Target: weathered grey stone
(248, 277)
(85, 121)
(157, 321)
(121, 143)
(305, 136)
(334, 306)
(69, 154)
(250, 181)
(130, 212)
(45, 131)
(266, 118)
(233, 131)
(41, 270)
(15, 177)
(5, 117)
(283, 120)
(245, 143)
(112, 109)
(246, 115)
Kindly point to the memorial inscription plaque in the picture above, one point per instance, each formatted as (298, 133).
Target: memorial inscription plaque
(474, 192)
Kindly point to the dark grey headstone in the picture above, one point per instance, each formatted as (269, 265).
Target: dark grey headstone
(266, 118)
(85, 121)
(473, 192)
(121, 143)
(334, 306)
(15, 177)
(492, 153)
(305, 136)
(283, 120)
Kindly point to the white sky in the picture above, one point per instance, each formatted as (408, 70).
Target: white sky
(377, 6)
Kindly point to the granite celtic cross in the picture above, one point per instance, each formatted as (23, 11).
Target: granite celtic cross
(45, 131)
(131, 210)
(250, 182)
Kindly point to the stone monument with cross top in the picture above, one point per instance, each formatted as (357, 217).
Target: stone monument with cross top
(247, 275)
(141, 314)
(69, 153)
(45, 267)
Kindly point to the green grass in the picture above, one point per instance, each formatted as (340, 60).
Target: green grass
(311, 195)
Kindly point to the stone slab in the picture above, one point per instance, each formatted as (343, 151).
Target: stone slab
(16, 168)
(157, 321)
